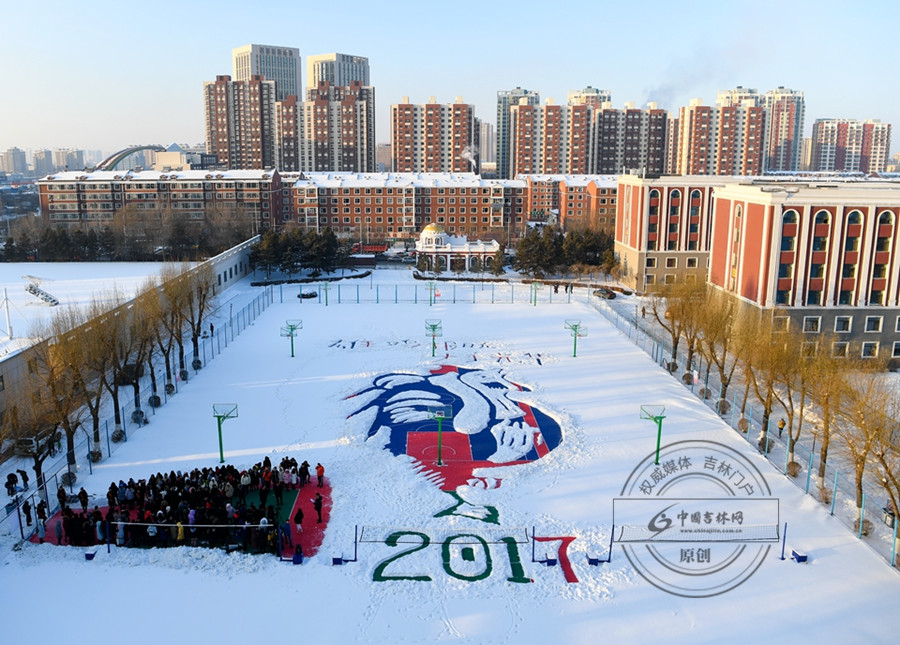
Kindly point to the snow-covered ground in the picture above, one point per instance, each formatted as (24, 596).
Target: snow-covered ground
(71, 283)
(300, 407)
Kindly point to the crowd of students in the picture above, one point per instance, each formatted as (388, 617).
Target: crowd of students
(219, 506)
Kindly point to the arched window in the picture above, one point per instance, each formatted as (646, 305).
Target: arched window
(823, 217)
(789, 217)
(654, 202)
(789, 237)
(886, 218)
(854, 218)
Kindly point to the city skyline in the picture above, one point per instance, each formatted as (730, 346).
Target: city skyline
(77, 79)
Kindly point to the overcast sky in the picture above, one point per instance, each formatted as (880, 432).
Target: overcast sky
(106, 75)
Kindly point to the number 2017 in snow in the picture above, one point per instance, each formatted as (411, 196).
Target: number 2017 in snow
(467, 553)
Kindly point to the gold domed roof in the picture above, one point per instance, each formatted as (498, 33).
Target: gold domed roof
(433, 229)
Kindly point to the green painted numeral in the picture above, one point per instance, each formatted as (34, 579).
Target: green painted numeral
(392, 540)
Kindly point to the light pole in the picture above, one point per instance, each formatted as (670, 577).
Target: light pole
(433, 328)
(290, 329)
(578, 331)
(325, 288)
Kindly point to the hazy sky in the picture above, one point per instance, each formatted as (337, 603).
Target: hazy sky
(105, 75)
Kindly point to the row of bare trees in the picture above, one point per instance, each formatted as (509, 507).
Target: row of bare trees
(83, 357)
(851, 404)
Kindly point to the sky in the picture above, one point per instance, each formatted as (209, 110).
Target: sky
(318, 406)
(106, 75)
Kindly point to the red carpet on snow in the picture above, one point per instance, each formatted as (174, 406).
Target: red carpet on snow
(309, 539)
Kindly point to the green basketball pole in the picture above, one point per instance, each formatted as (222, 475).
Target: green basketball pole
(219, 420)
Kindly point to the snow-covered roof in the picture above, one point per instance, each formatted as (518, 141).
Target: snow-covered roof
(399, 180)
(573, 180)
(155, 175)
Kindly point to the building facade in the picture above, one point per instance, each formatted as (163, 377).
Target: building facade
(850, 145)
(273, 63)
(629, 138)
(454, 252)
(337, 69)
(505, 100)
(389, 207)
(572, 202)
(785, 114)
(240, 121)
(663, 227)
(13, 161)
(83, 199)
(435, 137)
(336, 129)
(821, 255)
(720, 139)
(549, 139)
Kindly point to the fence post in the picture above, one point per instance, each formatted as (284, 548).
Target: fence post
(396, 293)
(357, 294)
(894, 544)
(834, 492)
(809, 470)
(787, 452)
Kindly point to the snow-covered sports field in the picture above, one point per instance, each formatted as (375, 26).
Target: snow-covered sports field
(446, 554)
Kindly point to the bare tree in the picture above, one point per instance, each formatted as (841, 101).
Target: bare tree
(718, 339)
(201, 294)
(57, 387)
(863, 417)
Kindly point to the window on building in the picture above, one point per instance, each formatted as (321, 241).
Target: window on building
(895, 353)
(845, 297)
(839, 349)
(873, 323)
(809, 349)
(670, 278)
(649, 279)
(691, 263)
(813, 297)
(671, 263)
(650, 263)
(811, 324)
(780, 323)
(870, 349)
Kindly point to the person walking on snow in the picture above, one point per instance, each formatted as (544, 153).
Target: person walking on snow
(320, 473)
(317, 504)
(298, 520)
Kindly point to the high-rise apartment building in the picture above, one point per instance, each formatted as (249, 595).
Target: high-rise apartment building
(549, 139)
(720, 140)
(279, 64)
(435, 137)
(849, 145)
(240, 122)
(336, 128)
(629, 138)
(488, 151)
(337, 69)
(505, 100)
(590, 96)
(65, 159)
(43, 163)
(13, 161)
(785, 112)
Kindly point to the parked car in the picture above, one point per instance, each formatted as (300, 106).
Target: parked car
(606, 294)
